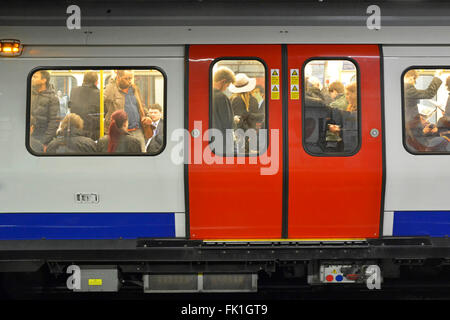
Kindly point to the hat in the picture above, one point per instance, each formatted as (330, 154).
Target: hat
(426, 111)
(242, 84)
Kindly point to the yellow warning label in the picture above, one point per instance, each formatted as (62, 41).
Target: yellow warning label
(294, 76)
(275, 92)
(275, 76)
(95, 282)
(334, 271)
(295, 92)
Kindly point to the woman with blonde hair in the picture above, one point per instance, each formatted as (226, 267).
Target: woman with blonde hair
(70, 137)
(351, 95)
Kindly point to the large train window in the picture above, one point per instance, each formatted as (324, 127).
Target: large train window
(238, 108)
(331, 107)
(101, 111)
(426, 110)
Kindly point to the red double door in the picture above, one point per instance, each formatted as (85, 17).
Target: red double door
(287, 193)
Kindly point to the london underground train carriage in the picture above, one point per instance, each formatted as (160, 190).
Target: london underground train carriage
(300, 203)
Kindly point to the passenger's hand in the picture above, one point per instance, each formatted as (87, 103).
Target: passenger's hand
(334, 128)
(237, 119)
(146, 121)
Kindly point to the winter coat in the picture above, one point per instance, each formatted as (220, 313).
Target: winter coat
(85, 101)
(250, 118)
(222, 117)
(413, 96)
(340, 102)
(127, 144)
(115, 100)
(72, 142)
(45, 111)
(157, 141)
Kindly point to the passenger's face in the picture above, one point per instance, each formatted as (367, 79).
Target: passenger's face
(126, 80)
(351, 97)
(155, 114)
(333, 94)
(37, 81)
(411, 80)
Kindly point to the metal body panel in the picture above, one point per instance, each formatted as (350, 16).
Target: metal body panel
(413, 182)
(233, 200)
(30, 183)
(177, 35)
(337, 196)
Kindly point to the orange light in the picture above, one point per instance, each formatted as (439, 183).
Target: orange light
(10, 48)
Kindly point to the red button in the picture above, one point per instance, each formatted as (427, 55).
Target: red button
(329, 278)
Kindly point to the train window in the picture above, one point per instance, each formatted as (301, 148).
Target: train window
(96, 112)
(331, 107)
(238, 108)
(426, 110)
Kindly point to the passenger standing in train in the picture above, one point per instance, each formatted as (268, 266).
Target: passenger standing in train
(44, 107)
(413, 95)
(313, 94)
(444, 121)
(245, 106)
(122, 94)
(351, 95)
(337, 94)
(35, 144)
(222, 115)
(350, 119)
(85, 101)
(119, 138)
(63, 105)
(259, 94)
(155, 143)
(70, 138)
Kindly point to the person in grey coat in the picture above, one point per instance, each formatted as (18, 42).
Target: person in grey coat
(44, 107)
(414, 95)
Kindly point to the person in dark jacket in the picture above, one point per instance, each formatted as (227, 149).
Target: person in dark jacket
(313, 93)
(118, 139)
(85, 101)
(70, 138)
(444, 122)
(35, 144)
(44, 107)
(421, 135)
(222, 114)
(413, 95)
(155, 143)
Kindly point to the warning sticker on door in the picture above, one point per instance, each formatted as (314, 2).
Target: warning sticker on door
(275, 92)
(275, 84)
(295, 95)
(295, 84)
(275, 76)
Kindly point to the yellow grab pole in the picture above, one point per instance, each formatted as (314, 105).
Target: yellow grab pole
(102, 106)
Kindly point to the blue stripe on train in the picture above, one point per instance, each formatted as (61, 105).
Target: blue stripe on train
(421, 223)
(30, 226)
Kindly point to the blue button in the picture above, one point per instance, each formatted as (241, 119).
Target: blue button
(339, 278)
